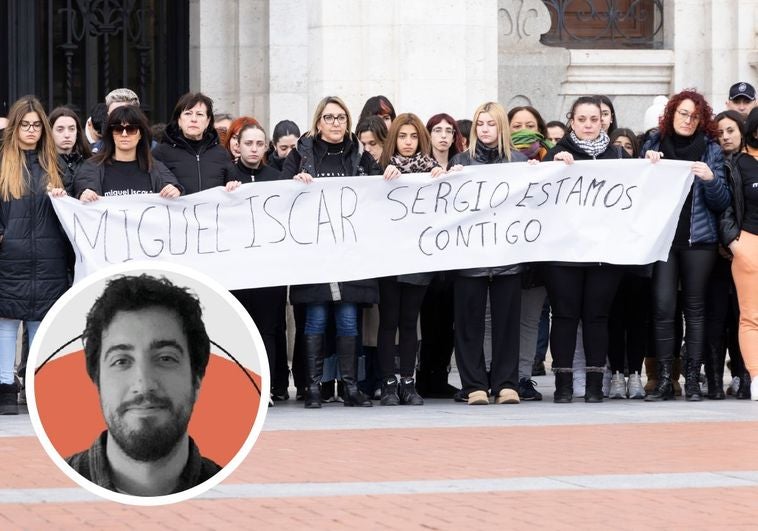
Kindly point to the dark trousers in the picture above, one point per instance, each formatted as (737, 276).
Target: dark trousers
(437, 318)
(398, 310)
(691, 267)
(505, 312)
(723, 314)
(583, 293)
(629, 324)
(266, 307)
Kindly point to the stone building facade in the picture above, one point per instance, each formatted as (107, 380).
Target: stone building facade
(276, 58)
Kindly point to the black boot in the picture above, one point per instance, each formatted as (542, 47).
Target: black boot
(664, 389)
(433, 384)
(593, 392)
(389, 392)
(715, 375)
(692, 390)
(9, 399)
(314, 361)
(743, 392)
(408, 394)
(346, 354)
(564, 386)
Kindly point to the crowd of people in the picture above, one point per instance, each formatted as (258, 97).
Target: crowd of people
(353, 339)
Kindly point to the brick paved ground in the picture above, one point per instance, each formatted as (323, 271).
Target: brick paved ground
(616, 465)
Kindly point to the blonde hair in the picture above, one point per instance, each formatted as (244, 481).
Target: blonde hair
(13, 169)
(390, 143)
(320, 110)
(497, 112)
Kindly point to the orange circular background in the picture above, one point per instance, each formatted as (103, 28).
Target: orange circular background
(223, 417)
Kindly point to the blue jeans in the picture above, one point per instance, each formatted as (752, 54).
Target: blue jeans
(345, 317)
(8, 336)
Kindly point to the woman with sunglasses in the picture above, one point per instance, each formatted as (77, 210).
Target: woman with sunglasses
(329, 149)
(124, 165)
(688, 132)
(34, 252)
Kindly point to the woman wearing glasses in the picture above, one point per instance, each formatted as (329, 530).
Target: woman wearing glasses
(34, 251)
(330, 150)
(124, 164)
(688, 132)
(191, 148)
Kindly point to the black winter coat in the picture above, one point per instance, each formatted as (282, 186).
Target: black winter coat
(264, 173)
(730, 220)
(91, 176)
(208, 167)
(35, 253)
(309, 154)
(68, 166)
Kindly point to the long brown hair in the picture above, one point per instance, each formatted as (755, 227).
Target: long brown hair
(390, 144)
(81, 145)
(13, 168)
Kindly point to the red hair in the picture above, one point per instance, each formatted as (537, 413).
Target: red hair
(703, 111)
(236, 126)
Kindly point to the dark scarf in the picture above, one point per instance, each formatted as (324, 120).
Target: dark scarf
(418, 163)
(487, 155)
(594, 147)
(678, 147)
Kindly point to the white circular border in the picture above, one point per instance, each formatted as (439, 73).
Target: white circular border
(171, 271)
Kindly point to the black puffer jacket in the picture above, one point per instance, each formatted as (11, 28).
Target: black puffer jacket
(68, 166)
(35, 253)
(310, 152)
(91, 176)
(196, 170)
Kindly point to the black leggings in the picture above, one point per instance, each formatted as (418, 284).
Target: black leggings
(399, 304)
(629, 324)
(723, 315)
(586, 293)
(691, 267)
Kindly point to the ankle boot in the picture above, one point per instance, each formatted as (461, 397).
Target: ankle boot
(408, 394)
(743, 391)
(9, 399)
(346, 354)
(651, 373)
(692, 391)
(564, 386)
(389, 392)
(664, 390)
(314, 361)
(715, 376)
(594, 391)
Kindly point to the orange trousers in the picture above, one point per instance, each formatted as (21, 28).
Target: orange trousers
(745, 273)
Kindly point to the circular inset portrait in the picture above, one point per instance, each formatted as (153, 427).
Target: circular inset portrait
(144, 383)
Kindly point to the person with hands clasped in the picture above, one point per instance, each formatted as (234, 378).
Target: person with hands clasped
(738, 229)
(688, 132)
(328, 149)
(581, 291)
(124, 165)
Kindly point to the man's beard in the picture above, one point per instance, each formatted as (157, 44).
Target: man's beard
(151, 440)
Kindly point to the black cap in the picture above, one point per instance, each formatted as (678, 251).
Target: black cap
(742, 90)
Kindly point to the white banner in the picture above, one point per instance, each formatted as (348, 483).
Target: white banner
(287, 232)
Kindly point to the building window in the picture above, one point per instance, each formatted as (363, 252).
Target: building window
(607, 24)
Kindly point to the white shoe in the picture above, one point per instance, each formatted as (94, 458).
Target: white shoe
(617, 386)
(754, 389)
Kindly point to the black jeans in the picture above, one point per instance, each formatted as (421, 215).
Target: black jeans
(399, 304)
(586, 293)
(631, 337)
(267, 308)
(505, 310)
(692, 267)
(723, 314)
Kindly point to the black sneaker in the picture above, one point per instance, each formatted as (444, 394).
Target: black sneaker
(538, 369)
(279, 395)
(526, 390)
(389, 395)
(408, 394)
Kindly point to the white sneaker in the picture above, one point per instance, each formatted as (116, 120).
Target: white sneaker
(617, 386)
(754, 389)
(635, 388)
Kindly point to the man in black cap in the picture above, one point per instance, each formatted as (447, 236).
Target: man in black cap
(741, 98)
